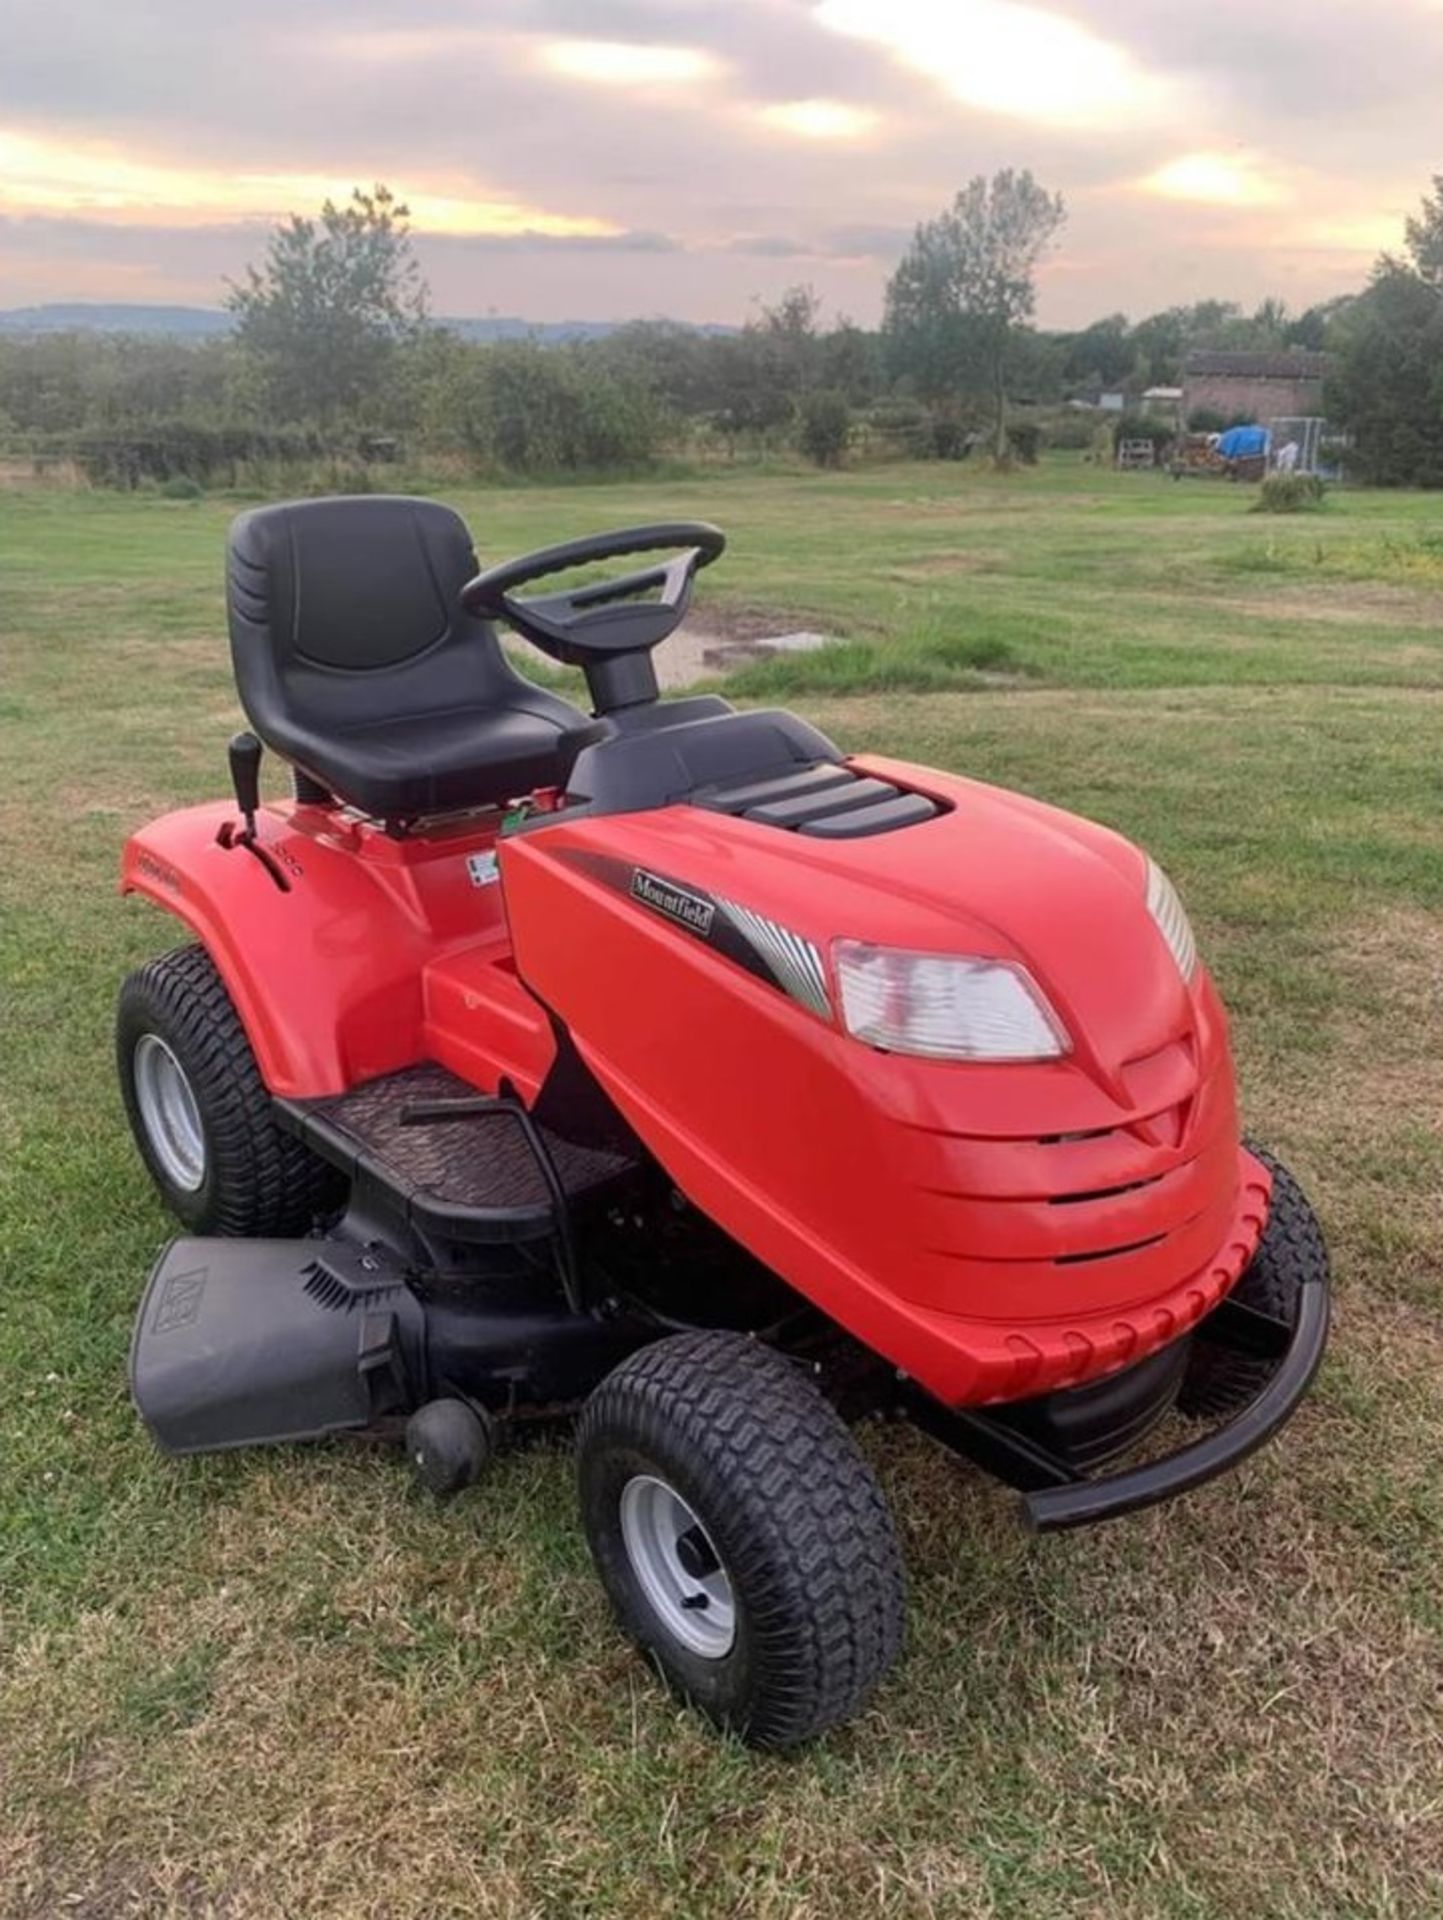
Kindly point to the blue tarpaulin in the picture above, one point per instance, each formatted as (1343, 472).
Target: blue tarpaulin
(1243, 443)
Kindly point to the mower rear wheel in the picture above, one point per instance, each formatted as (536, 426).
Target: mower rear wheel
(200, 1112)
(1292, 1253)
(742, 1538)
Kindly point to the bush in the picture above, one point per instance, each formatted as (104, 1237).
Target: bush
(1070, 432)
(1024, 441)
(1143, 426)
(526, 408)
(180, 486)
(1207, 420)
(168, 450)
(898, 416)
(1290, 493)
(824, 429)
(951, 438)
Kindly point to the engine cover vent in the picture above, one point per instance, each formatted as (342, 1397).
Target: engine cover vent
(825, 800)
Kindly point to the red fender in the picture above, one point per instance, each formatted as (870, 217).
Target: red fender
(347, 953)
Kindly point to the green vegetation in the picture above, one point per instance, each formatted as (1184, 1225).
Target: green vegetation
(964, 291)
(824, 426)
(1388, 387)
(321, 324)
(335, 374)
(1290, 493)
(285, 1684)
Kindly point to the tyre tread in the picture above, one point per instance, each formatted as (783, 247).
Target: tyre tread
(1292, 1254)
(818, 1558)
(268, 1184)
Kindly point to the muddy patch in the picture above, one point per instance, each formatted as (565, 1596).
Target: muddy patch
(712, 643)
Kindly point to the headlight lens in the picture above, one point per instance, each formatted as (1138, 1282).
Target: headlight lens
(944, 1006)
(1172, 921)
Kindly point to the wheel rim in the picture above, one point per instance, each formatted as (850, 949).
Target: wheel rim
(168, 1112)
(677, 1567)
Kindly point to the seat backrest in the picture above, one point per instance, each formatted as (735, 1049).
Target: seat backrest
(345, 610)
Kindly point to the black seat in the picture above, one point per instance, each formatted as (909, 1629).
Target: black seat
(355, 662)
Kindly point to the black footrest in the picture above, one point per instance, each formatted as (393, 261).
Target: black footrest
(479, 1175)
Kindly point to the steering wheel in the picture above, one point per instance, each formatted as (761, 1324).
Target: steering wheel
(591, 625)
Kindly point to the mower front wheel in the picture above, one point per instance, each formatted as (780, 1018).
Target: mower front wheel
(1291, 1254)
(202, 1117)
(741, 1536)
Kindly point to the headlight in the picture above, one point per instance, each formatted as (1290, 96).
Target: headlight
(946, 1006)
(1172, 921)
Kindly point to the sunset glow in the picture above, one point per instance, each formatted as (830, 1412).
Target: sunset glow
(44, 176)
(819, 119)
(1002, 58)
(624, 63)
(1217, 180)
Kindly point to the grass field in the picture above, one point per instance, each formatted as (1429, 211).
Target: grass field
(287, 1685)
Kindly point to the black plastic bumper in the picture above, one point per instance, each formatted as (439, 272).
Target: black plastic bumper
(1051, 1508)
(1055, 1495)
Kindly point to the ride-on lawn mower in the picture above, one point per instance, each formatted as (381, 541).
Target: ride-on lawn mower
(671, 1067)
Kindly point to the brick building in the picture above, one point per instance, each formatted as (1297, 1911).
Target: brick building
(1265, 386)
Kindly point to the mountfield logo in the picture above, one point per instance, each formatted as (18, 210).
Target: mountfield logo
(663, 896)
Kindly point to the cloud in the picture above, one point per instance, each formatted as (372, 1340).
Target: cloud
(628, 240)
(867, 243)
(1015, 60)
(818, 119)
(766, 246)
(607, 157)
(622, 63)
(1218, 179)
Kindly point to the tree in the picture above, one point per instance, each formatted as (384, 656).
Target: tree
(323, 317)
(963, 291)
(1100, 356)
(520, 407)
(1387, 387)
(678, 364)
(1313, 328)
(766, 368)
(824, 426)
(1425, 237)
(848, 362)
(790, 328)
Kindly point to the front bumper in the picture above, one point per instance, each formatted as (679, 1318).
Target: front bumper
(1056, 1495)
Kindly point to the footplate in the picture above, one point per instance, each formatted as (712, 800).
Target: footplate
(460, 1164)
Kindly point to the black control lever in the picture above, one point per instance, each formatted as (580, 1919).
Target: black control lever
(244, 753)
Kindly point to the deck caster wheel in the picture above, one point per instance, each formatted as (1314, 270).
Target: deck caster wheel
(450, 1445)
(741, 1535)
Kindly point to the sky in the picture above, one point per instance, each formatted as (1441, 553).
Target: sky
(604, 159)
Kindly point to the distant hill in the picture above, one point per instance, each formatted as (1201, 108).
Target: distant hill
(84, 317)
(202, 323)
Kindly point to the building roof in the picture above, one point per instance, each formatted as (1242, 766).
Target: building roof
(1295, 364)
